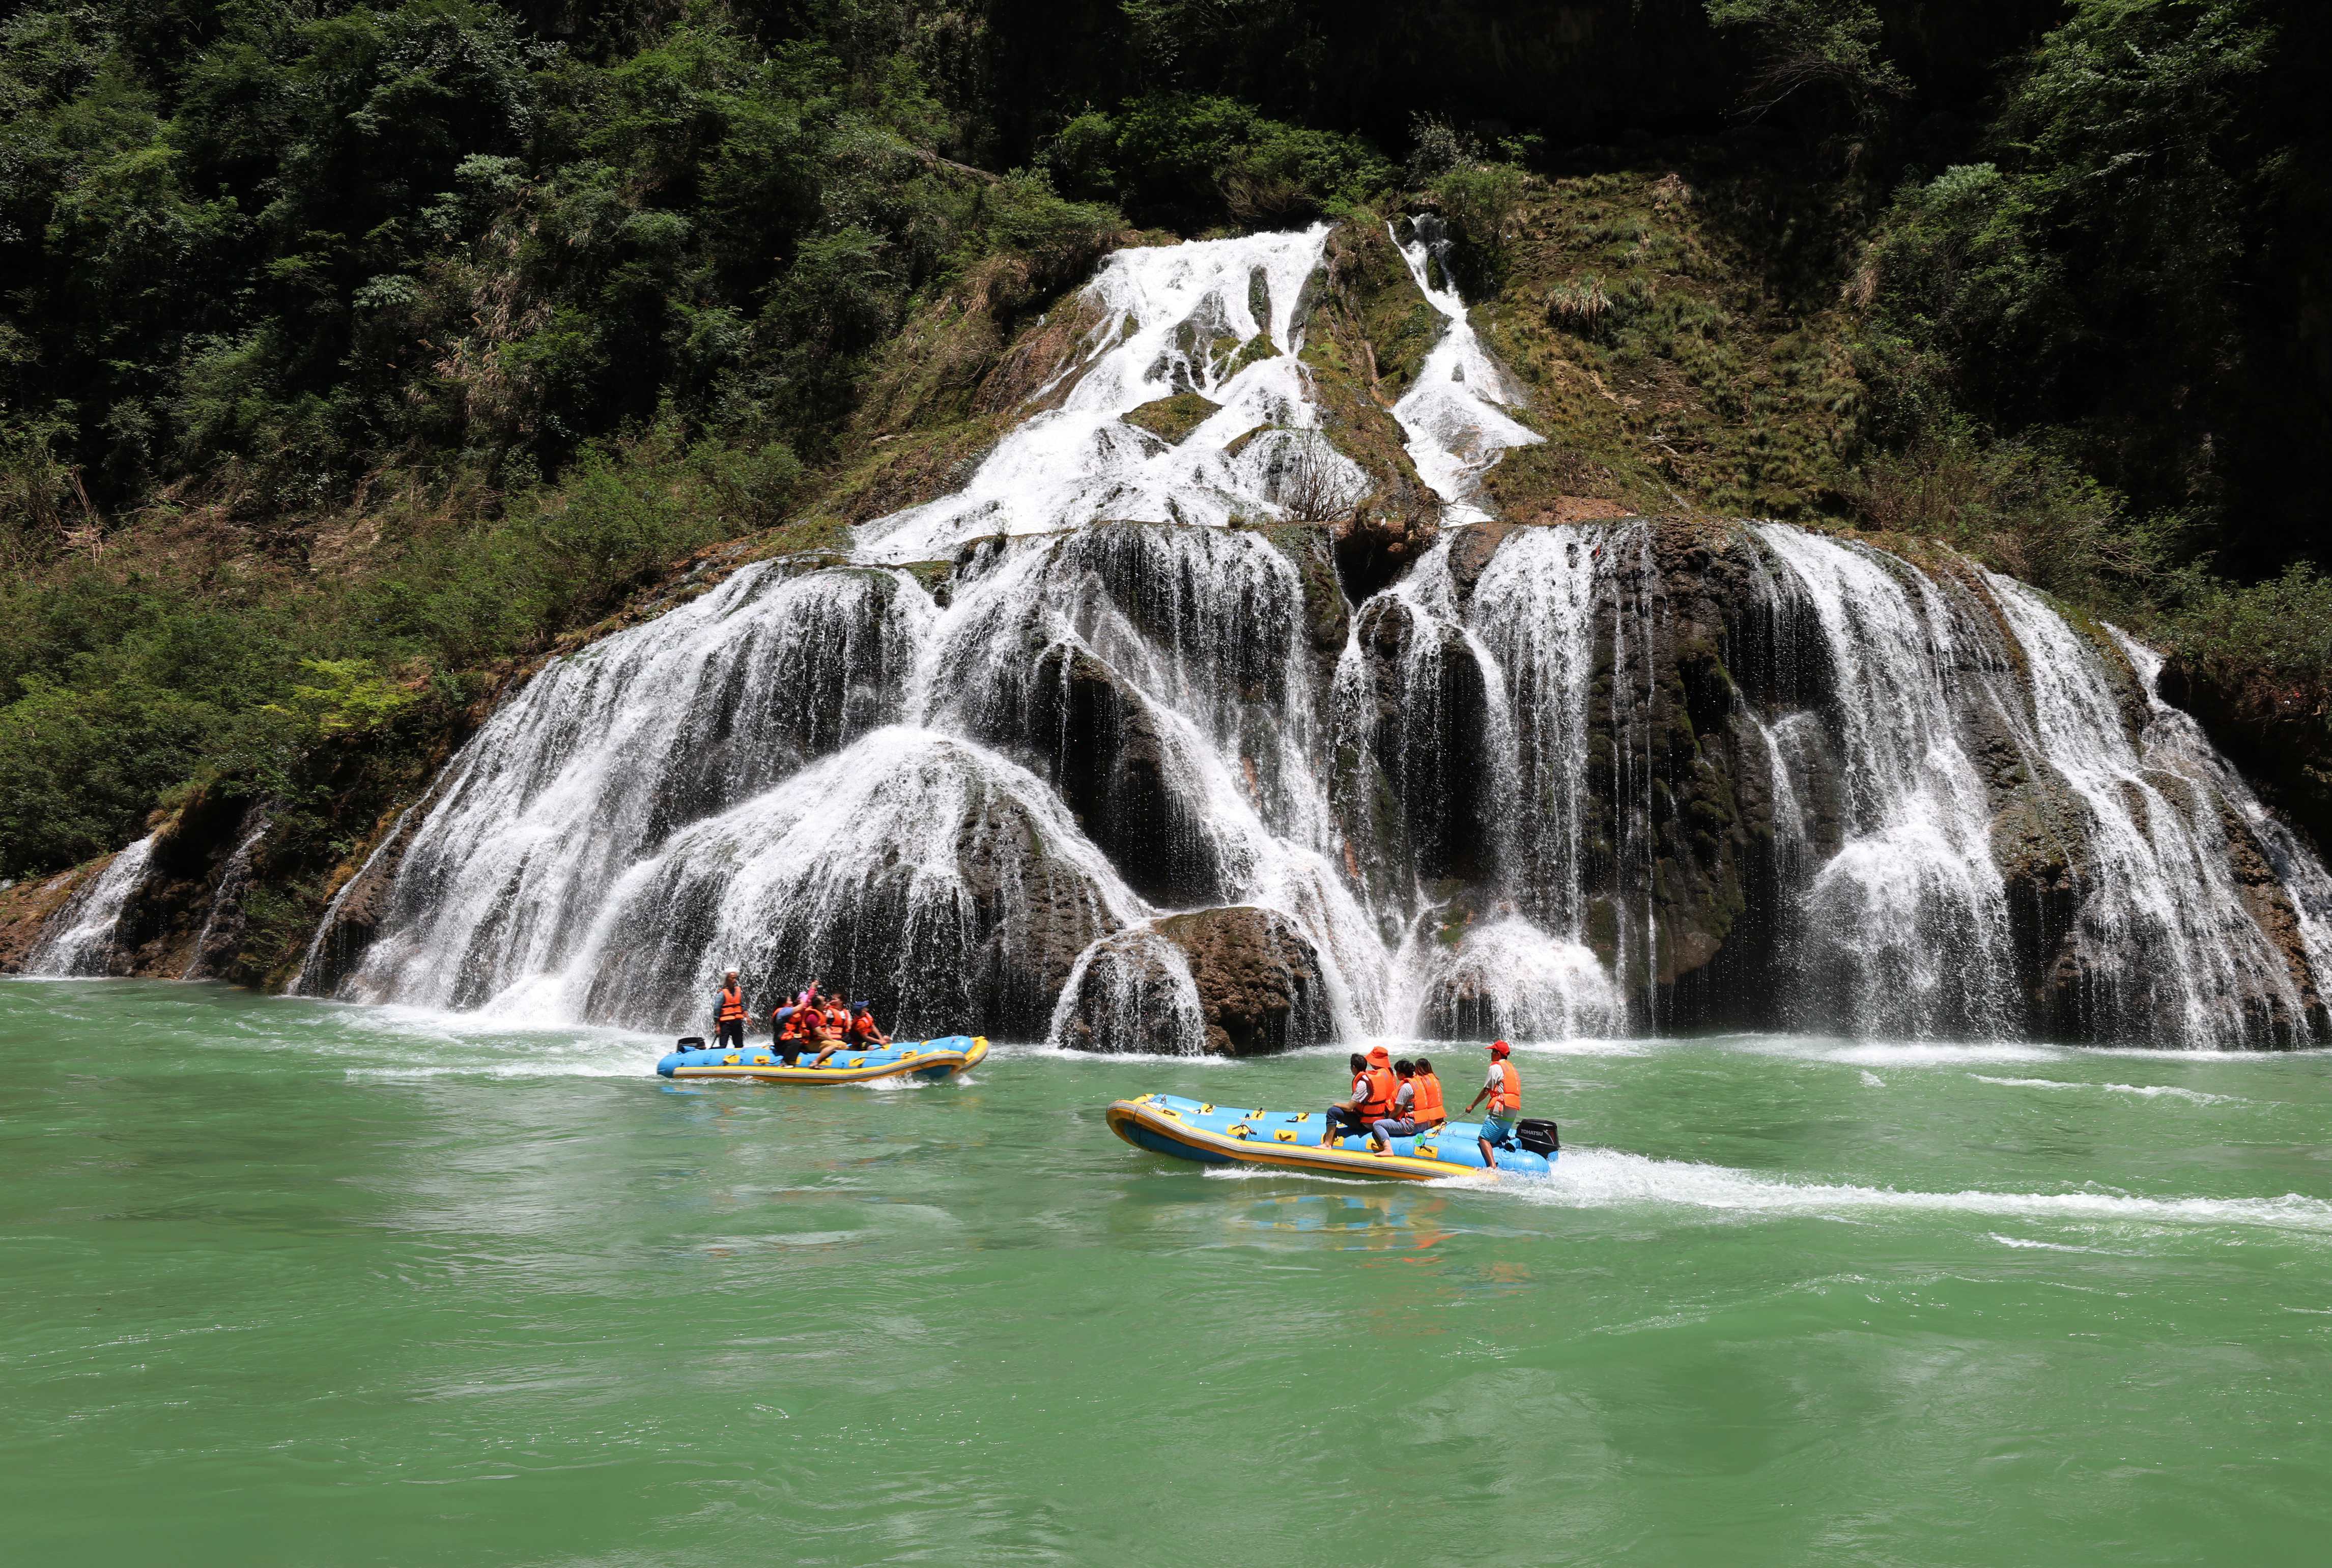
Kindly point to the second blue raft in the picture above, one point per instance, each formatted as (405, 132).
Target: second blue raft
(929, 1061)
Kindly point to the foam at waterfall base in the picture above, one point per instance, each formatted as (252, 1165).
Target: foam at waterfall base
(1512, 979)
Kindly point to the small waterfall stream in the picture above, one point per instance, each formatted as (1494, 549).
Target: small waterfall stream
(1454, 413)
(1112, 777)
(80, 939)
(1221, 320)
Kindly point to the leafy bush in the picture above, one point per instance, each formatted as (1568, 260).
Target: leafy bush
(2281, 627)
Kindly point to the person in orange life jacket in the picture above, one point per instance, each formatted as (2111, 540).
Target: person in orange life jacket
(833, 1026)
(809, 1021)
(729, 1014)
(1374, 1089)
(1505, 1089)
(1416, 1105)
(786, 1030)
(862, 1032)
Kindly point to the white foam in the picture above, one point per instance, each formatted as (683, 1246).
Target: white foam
(1900, 1054)
(1606, 1179)
(2147, 1091)
(1454, 413)
(2022, 1242)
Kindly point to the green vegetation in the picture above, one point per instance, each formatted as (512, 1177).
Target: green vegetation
(354, 355)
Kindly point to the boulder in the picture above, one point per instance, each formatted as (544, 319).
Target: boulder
(1259, 979)
(1231, 981)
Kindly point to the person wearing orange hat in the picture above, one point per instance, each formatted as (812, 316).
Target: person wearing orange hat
(1505, 1089)
(1373, 1090)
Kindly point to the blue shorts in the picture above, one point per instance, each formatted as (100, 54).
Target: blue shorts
(1497, 1132)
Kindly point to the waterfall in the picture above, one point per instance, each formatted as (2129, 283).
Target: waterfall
(613, 749)
(2165, 947)
(1218, 319)
(1549, 780)
(1471, 811)
(2174, 742)
(1907, 921)
(226, 895)
(1132, 991)
(80, 939)
(1454, 413)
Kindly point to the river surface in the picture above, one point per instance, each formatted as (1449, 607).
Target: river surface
(299, 1283)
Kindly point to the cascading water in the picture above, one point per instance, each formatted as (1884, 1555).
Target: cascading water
(226, 899)
(612, 750)
(81, 940)
(1126, 782)
(2174, 742)
(1220, 318)
(1454, 413)
(1908, 922)
(2165, 946)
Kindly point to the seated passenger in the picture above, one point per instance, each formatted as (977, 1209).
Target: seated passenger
(785, 1031)
(1373, 1089)
(1428, 1113)
(829, 1026)
(862, 1032)
(1403, 1123)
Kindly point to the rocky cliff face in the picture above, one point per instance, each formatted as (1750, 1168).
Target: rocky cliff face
(1652, 774)
(1115, 729)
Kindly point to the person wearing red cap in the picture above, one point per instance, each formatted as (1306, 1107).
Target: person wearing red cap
(1373, 1090)
(1505, 1089)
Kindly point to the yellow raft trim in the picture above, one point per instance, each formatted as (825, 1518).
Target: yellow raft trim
(1241, 1151)
(777, 1072)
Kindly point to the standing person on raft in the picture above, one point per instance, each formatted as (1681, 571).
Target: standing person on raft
(1505, 1089)
(729, 1015)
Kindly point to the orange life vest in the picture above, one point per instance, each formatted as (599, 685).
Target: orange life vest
(1425, 1104)
(732, 1004)
(793, 1025)
(838, 1022)
(863, 1026)
(1383, 1088)
(1508, 1096)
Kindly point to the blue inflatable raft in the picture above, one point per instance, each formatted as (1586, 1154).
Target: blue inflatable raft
(1291, 1141)
(928, 1060)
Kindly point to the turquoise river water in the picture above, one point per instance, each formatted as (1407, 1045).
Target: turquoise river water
(289, 1282)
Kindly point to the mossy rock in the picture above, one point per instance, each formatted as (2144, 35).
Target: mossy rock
(1172, 418)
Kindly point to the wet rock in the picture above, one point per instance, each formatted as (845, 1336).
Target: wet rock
(1430, 714)
(1372, 550)
(1234, 981)
(1259, 979)
(1116, 772)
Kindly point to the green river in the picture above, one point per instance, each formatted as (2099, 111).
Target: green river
(288, 1282)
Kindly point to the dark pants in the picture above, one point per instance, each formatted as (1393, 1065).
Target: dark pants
(1341, 1121)
(732, 1035)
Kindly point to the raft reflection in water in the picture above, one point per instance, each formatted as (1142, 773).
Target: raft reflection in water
(1298, 1141)
(930, 1061)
